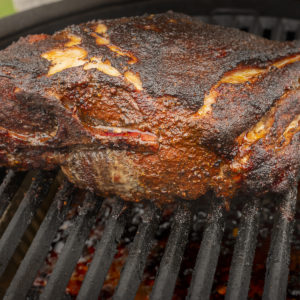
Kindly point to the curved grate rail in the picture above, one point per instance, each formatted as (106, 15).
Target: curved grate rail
(34, 205)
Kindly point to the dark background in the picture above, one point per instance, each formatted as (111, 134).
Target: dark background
(49, 18)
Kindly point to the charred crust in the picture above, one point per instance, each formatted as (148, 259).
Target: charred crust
(173, 62)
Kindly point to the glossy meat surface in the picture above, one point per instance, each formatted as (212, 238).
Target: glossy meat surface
(158, 107)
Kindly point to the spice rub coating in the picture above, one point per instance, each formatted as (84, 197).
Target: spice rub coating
(158, 107)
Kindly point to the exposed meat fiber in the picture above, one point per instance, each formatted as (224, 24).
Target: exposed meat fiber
(158, 107)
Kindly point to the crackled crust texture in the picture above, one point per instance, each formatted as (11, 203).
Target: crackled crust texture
(158, 107)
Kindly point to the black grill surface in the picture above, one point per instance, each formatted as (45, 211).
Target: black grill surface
(35, 204)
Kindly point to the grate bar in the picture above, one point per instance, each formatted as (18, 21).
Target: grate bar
(72, 250)
(277, 32)
(10, 184)
(244, 250)
(256, 27)
(104, 255)
(23, 216)
(132, 273)
(170, 264)
(279, 253)
(39, 248)
(208, 254)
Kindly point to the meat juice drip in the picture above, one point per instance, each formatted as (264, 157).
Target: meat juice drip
(189, 258)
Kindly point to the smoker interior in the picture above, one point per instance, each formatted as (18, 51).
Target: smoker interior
(35, 204)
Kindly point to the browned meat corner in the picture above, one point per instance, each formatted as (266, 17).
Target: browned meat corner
(158, 107)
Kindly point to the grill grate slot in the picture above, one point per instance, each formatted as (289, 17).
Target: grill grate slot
(246, 23)
(279, 253)
(170, 264)
(103, 256)
(241, 265)
(208, 255)
(2, 174)
(267, 33)
(10, 184)
(272, 28)
(23, 216)
(291, 29)
(40, 245)
(290, 35)
(72, 250)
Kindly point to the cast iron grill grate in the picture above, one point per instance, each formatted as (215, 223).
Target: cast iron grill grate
(33, 206)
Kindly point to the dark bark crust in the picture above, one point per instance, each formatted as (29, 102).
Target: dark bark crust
(149, 143)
